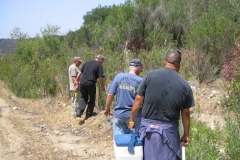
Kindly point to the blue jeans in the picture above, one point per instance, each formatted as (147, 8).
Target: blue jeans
(120, 125)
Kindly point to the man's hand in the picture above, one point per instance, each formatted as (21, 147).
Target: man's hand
(185, 140)
(76, 85)
(131, 126)
(107, 112)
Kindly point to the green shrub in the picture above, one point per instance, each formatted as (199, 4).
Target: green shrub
(233, 137)
(204, 143)
(231, 73)
(232, 118)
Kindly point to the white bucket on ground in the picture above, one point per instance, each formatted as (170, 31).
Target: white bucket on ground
(121, 142)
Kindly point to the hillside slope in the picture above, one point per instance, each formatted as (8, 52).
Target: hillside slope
(7, 45)
(45, 129)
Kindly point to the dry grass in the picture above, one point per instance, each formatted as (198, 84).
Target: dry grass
(45, 129)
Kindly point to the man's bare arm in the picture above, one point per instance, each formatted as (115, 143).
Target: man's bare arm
(101, 80)
(135, 108)
(75, 80)
(186, 125)
(108, 103)
(78, 75)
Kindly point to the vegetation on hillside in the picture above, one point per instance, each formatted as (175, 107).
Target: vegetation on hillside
(205, 31)
(7, 46)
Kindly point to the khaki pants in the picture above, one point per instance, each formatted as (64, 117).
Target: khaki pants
(75, 100)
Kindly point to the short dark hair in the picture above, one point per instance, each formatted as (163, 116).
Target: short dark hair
(173, 57)
(180, 55)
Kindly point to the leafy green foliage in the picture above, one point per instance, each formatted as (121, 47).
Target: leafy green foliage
(197, 64)
(18, 34)
(231, 72)
(97, 15)
(233, 124)
(205, 143)
(204, 30)
(32, 69)
(213, 31)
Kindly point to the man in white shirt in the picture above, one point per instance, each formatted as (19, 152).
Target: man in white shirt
(74, 73)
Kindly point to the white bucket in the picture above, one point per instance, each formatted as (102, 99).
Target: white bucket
(121, 142)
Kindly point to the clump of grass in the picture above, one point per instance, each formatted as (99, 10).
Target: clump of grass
(233, 138)
(232, 118)
(205, 143)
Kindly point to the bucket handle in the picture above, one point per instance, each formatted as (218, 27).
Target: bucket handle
(132, 141)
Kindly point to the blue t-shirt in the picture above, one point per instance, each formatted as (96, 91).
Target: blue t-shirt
(124, 86)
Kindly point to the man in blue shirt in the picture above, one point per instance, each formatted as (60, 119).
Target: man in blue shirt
(124, 86)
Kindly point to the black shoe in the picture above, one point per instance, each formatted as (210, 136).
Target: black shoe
(90, 115)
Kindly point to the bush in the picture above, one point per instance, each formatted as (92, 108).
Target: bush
(205, 143)
(231, 72)
(232, 117)
(231, 65)
(197, 64)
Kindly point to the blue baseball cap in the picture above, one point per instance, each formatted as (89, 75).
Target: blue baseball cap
(136, 62)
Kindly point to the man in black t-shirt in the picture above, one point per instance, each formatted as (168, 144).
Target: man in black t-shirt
(90, 72)
(163, 94)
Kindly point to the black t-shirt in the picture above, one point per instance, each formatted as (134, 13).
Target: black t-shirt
(91, 71)
(166, 93)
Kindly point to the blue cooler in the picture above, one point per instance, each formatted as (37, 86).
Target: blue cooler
(123, 149)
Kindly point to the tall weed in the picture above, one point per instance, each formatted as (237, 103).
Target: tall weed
(205, 143)
(231, 73)
(232, 118)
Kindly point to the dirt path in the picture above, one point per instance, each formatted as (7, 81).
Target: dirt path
(45, 129)
(10, 146)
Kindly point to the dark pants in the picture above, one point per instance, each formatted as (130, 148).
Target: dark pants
(88, 95)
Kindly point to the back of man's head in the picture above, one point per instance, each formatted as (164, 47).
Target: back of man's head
(100, 57)
(173, 57)
(136, 62)
(77, 59)
(136, 66)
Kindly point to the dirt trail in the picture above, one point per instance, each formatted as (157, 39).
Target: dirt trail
(45, 129)
(10, 146)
